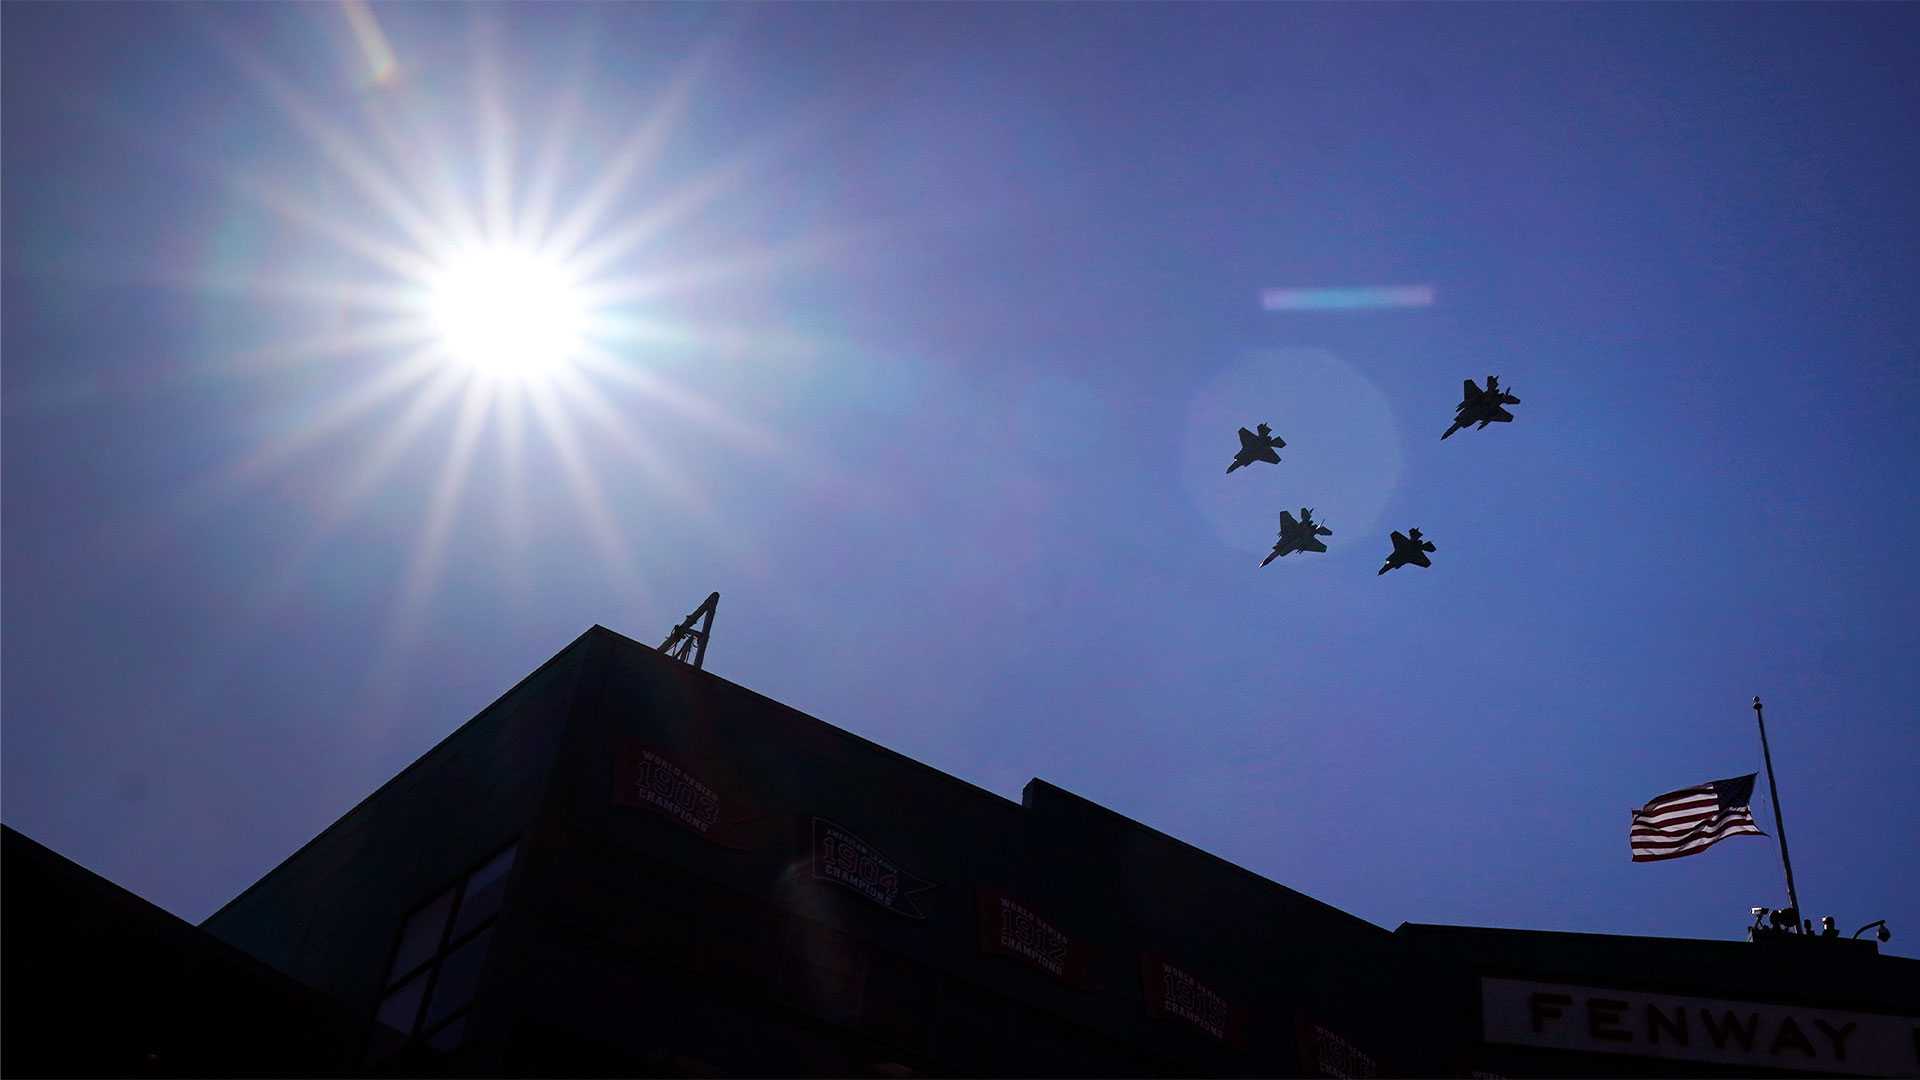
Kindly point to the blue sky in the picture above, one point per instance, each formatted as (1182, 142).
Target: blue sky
(922, 337)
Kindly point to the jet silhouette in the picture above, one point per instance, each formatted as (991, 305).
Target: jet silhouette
(1259, 447)
(1482, 407)
(1408, 549)
(1302, 535)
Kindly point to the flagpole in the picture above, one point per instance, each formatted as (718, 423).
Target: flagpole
(1779, 824)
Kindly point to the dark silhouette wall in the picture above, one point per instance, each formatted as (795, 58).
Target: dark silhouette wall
(705, 881)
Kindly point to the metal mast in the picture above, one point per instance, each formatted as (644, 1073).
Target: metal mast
(685, 641)
(1779, 824)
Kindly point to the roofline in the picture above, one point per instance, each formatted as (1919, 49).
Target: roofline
(1591, 936)
(402, 774)
(171, 926)
(1452, 928)
(843, 733)
(1255, 875)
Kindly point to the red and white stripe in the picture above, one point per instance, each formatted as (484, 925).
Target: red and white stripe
(1686, 822)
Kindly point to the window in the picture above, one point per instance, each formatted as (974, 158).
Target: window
(438, 958)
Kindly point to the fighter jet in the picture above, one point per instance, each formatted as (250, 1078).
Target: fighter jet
(1408, 549)
(1259, 447)
(1302, 535)
(1482, 407)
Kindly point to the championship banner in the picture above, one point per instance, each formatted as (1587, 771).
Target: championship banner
(645, 776)
(1324, 1052)
(1173, 992)
(840, 856)
(1010, 928)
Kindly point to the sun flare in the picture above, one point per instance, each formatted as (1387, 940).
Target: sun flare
(515, 292)
(508, 314)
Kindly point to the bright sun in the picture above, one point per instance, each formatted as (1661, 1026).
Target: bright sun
(508, 314)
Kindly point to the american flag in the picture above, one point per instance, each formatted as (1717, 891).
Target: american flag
(1691, 820)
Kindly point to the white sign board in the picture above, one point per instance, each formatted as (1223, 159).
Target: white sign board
(1593, 1020)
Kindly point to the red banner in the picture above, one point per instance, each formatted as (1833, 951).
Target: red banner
(1327, 1053)
(699, 799)
(1173, 992)
(1010, 928)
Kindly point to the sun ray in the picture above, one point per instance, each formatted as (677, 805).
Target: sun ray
(591, 501)
(494, 135)
(537, 211)
(332, 344)
(584, 400)
(433, 172)
(423, 569)
(513, 490)
(621, 239)
(290, 569)
(602, 362)
(254, 468)
(384, 454)
(640, 149)
(404, 262)
(661, 471)
(397, 116)
(687, 276)
(395, 300)
(225, 485)
(336, 416)
(333, 144)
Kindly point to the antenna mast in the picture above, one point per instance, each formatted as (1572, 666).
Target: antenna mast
(685, 641)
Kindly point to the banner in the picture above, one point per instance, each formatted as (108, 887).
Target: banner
(1010, 928)
(1324, 1052)
(1173, 992)
(840, 856)
(643, 775)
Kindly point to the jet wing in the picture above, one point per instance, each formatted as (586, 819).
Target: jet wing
(1267, 454)
(1248, 440)
(1469, 390)
(1400, 541)
(1287, 524)
(1419, 558)
(1309, 544)
(1500, 415)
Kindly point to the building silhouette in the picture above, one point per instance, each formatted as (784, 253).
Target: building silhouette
(627, 866)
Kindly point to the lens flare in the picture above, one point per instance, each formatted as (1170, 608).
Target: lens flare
(1370, 298)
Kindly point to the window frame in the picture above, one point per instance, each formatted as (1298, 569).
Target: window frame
(418, 1032)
